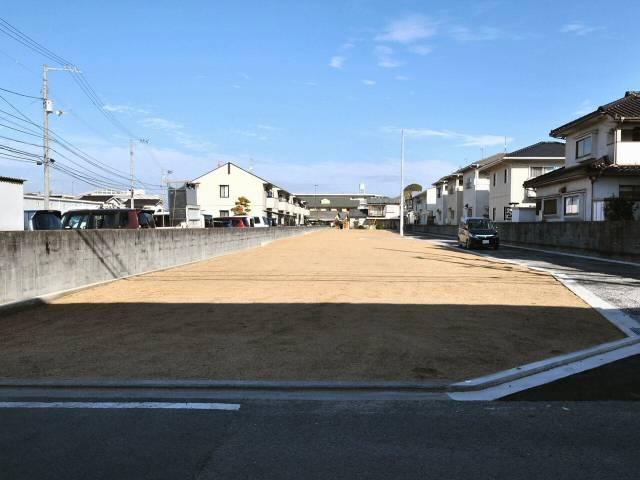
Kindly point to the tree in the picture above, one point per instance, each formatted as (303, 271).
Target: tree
(242, 206)
(616, 208)
(414, 187)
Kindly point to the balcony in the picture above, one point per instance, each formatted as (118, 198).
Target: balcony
(283, 205)
(272, 203)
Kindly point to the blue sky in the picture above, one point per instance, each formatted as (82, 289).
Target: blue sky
(315, 92)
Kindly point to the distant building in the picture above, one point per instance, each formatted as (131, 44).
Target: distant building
(602, 161)
(475, 185)
(449, 199)
(423, 207)
(327, 207)
(63, 203)
(509, 201)
(11, 213)
(119, 199)
(218, 190)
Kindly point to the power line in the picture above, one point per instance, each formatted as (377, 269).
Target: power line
(18, 93)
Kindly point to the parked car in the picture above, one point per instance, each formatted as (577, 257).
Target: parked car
(108, 219)
(42, 220)
(231, 222)
(261, 222)
(478, 232)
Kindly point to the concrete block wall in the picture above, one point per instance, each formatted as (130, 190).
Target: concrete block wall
(43, 262)
(614, 238)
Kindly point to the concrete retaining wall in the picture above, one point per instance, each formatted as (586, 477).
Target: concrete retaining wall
(43, 262)
(607, 238)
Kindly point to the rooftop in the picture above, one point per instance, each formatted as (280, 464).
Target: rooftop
(627, 108)
(11, 180)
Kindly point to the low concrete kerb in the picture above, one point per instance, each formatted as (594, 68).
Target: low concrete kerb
(435, 386)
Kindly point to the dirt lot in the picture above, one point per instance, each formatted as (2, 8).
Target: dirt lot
(332, 305)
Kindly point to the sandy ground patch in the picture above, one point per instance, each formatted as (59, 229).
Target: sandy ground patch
(332, 305)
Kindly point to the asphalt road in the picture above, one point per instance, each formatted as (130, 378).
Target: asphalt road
(351, 440)
(616, 283)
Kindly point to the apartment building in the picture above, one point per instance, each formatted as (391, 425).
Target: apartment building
(509, 201)
(602, 161)
(423, 207)
(218, 190)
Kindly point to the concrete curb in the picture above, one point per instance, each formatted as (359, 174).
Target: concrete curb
(438, 386)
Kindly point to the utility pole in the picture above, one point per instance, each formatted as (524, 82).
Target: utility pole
(132, 165)
(402, 184)
(47, 108)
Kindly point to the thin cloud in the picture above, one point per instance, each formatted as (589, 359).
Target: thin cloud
(337, 62)
(369, 83)
(465, 34)
(468, 140)
(579, 28)
(126, 109)
(176, 132)
(408, 30)
(401, 78)
(420, 49)
(585, 107)
(385, 57)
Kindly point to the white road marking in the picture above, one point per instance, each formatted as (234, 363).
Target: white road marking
(125, 405)
(499, 391)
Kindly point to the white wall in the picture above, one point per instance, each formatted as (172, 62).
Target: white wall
(11, 210)
(602, 141)
(36, 202)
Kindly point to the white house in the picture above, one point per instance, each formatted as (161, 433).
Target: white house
(449, 198)
(602, 161)
(508, 199)
(423, 205)
(218, 190)
(11, 210)
(475, 188)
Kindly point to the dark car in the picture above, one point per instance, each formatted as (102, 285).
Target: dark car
(231, 222)
(116, 218)
(478, 232)
(42, 220)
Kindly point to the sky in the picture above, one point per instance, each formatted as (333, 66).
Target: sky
(310, 93)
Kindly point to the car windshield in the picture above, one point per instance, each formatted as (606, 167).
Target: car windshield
(480, 224)
(46, 221)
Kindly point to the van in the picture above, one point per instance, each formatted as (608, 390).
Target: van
(42, 220)
(121, 218)
(261, 222)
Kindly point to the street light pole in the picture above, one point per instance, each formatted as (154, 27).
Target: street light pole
(402, 184)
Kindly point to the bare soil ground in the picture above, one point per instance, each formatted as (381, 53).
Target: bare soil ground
(332, 305)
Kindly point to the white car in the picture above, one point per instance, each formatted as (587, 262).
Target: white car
(261, 222)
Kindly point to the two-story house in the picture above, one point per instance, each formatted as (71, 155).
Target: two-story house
(475, 187)
(218, 190)
(449, 199)
(509, 201)
(602, 161)
(423, 206)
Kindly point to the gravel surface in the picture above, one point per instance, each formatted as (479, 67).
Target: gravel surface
(333, 305)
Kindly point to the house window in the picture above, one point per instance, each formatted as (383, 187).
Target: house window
(631, 135)
(505, 175)
(538, 207)
(224, 213)
(493, 217)
(469, 212)
(460, 180)
(572, 205)
(439, 192)
(630, 192)
(224, 191)
(583, 147)
(550, 206)
(494, 181)
(537, 171)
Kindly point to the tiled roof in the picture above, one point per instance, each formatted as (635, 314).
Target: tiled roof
(11, 180)
(540, 149)
(627, 107)
(480, 163)
(601, 167)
